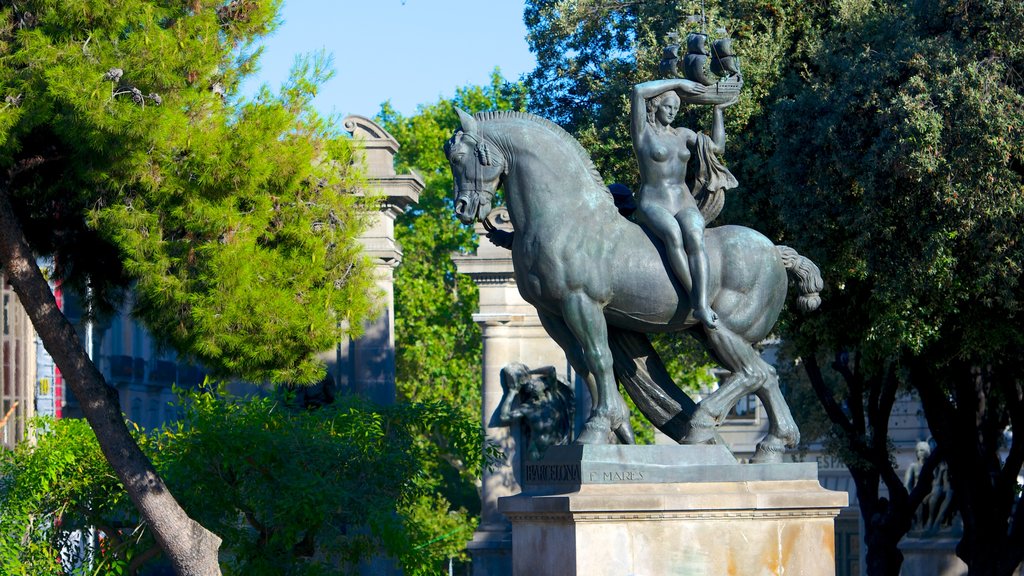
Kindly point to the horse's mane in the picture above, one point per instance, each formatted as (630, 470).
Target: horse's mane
(555, 129)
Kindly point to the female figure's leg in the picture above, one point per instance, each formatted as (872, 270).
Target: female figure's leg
(665, 227)
(691, 225)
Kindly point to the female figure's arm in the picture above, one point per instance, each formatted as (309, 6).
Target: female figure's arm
(510, 385)
(647, 90)
(718, 126)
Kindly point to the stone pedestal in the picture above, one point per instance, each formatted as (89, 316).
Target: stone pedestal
(931, 556)
(668, 510)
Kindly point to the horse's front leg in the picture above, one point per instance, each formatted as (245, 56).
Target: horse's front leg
(585, 319)
(556, 327)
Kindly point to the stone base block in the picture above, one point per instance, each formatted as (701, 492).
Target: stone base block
(934, 555)
(491, 551)
(931, 556)
(752, 520)
(707, 529)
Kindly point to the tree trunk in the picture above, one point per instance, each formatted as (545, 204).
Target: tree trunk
(865, 434)
(191, 548)
(968, 424)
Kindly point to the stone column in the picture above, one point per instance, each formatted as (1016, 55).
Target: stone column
(367, 365)
(511, 333)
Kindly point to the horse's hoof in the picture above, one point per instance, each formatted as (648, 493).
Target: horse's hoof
(594, 433)
(769, 451)
(699, 432)
(624, 433)
(699, 437)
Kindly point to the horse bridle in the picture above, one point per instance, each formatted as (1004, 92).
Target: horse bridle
(468, 201)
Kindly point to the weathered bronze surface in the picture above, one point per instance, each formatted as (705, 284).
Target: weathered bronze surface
(600, 282)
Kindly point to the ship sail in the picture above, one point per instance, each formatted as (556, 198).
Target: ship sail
(669, 61)
(696, 58)
(723, 59)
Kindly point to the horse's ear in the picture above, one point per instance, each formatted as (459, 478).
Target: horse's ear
(467, 120)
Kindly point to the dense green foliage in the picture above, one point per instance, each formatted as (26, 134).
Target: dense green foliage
(132, 160)
(899, 165)
(51, 490)
(290, 490)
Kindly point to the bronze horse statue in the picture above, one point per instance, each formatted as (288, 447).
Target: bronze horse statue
(599, 283)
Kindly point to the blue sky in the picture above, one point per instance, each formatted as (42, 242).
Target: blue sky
(410, 52)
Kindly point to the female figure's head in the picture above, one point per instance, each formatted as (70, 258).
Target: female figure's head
(662, 109)
(923, 450)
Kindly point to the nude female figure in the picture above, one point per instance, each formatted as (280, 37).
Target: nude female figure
(665, 204)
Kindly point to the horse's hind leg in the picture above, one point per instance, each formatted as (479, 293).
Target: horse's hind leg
(748, 375)
(783, 431)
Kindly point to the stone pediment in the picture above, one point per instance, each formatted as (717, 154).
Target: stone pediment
(379, 147)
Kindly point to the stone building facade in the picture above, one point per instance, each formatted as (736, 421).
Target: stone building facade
(18, 374)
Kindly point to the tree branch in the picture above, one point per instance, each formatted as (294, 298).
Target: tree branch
(828, 401)
(888, 396)
(140, 560)
(855, 400)
(3, 421)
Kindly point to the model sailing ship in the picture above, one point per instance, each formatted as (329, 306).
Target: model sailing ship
(721, 75)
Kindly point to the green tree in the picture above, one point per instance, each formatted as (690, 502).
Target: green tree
(899, 162)
(128, 157)
(291, 490)
(319, 490)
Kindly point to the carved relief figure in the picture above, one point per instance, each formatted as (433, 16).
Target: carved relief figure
(542, 402)
(940, 512)
(936, 511)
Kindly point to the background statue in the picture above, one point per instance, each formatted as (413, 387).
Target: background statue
(936, 510)
(940, 512)
(599, 282)
(911, 479)
(542, 402)
(665, 203)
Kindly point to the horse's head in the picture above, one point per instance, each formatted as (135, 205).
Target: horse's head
(477, 167)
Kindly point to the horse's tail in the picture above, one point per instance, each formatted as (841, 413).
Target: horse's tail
(808, 277)
(642, 373)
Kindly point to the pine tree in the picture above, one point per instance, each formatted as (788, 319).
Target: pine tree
(128, 158)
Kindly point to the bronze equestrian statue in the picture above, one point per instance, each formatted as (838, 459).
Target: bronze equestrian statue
(600, 282)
